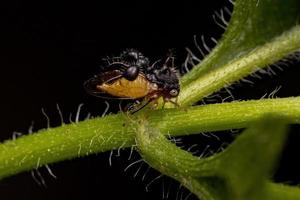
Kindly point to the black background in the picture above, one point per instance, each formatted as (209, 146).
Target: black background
(48, 49)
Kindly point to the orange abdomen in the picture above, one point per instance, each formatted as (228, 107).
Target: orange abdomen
(122, 87)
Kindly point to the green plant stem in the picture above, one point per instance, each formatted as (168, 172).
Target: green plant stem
(278, 191)
(115, 132)
(252, 24)
(228, 167)
(233, 71)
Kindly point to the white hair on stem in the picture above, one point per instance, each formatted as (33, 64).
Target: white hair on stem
(78, 113)
(47, 118)
(130, 165)
(60, 114)
(152, 181)
(106, 109)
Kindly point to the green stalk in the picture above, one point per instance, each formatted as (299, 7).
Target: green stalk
(241, 67)
(278, 191)
(234, 170)
(117, 131)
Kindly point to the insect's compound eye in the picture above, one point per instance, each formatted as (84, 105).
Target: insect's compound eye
(131, 73)
(173, 92)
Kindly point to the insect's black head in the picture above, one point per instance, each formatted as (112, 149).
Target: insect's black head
(169, 83)
(165, 76)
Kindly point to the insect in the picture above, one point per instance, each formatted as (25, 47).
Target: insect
(131, 76)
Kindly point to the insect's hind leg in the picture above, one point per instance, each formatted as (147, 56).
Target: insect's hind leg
(133, 108)
(125, 112)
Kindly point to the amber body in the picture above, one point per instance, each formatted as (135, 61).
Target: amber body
(136, 89)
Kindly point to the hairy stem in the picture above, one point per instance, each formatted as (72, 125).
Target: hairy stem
(236, 69)
(228, 168)
(114, 132)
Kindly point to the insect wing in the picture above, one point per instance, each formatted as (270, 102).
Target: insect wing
(108, 77)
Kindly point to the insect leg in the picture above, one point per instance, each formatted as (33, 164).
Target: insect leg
(139, 106)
